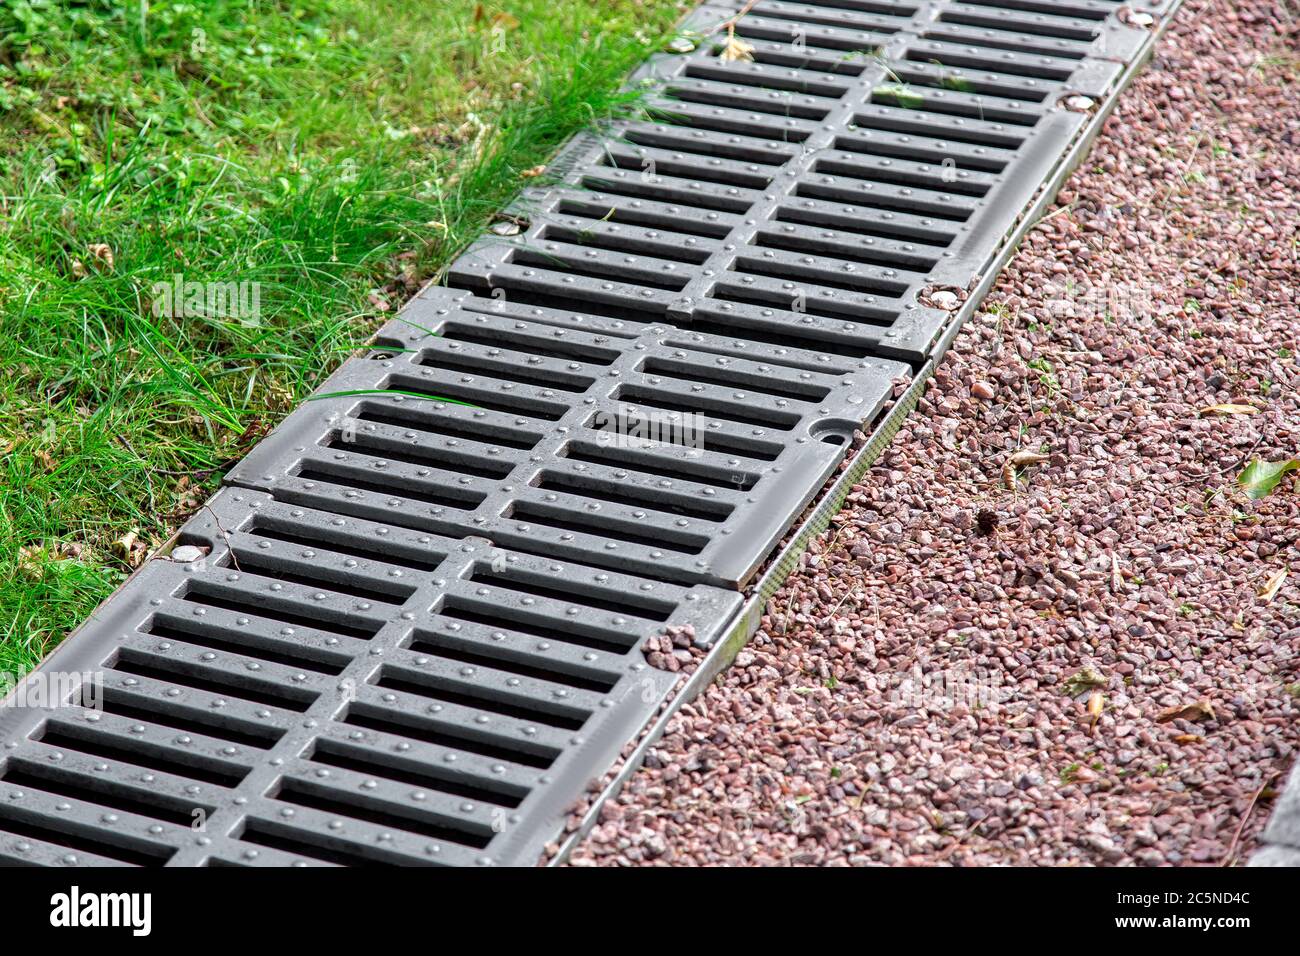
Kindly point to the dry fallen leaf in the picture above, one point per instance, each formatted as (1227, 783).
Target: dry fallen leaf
(735, 50)
(533, 173)
(504, 21)
(1020, 459)
(102, 253)
(1188, 739)
(29, 559)
(1228, 408)
(130, 549)
(1200, 710)
(378, 301)
(45, 459)
(1096, 704)
(1272, 585)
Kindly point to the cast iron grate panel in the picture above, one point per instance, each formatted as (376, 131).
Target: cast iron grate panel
(811, 196)
(672, 454)
(325, 690)
(416, 635)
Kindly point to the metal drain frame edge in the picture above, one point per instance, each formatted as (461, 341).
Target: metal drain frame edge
(745, 624)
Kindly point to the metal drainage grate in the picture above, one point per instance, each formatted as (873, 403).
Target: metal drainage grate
(415, 635)
(325, 689)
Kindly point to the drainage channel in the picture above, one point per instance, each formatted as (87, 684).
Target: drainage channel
(412, 629)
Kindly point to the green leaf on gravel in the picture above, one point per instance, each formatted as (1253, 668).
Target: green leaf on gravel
(1259, 478)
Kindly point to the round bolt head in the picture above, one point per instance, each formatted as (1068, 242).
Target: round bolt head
(186, 553)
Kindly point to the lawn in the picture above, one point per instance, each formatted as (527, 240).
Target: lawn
(316, 160)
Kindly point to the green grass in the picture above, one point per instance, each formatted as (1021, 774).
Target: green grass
(321, 148)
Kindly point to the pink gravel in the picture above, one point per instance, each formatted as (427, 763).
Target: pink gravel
(909, 698)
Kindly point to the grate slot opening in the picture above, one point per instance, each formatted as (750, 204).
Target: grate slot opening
(634, 188)
(178, 629)
(831, 20)
(594, 270)
(870, 285)
(628, 311)
(368, 446)
(684, 169)
(401, 417)
(436, 688)
(1037, 6)
(866, 6)
(615, 243)
(726, 98)
(539, 586)
(457, 650)
(648, 464)
(138, 853)
(447, 362)
(669, 503)
(736, 349)
(163, 669)
(533, 344)
(161, 806)
(625, 424)
(328, 473)
(992, 64)
(264, 566)
(97, 744)
(931, 181)
(880, 230)
(761, 31)
(809, 342)
(895, 123)
(480, 397)
(551, 517)
(745, 415)
(428, 731)
(336, 753)
(523, 623)
(266, 607)
(870, 315)
(1047, 27)
(132, 707)
(1017, 46)
(816, 84)
(273, 837)
(905, 204)
(797, 391)
(304, 795)
(955, 82)
(714, 124)
(296, 534)
(590, 209)
(921, 152)
(656, 139)
(888, 96)
(841, 253)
